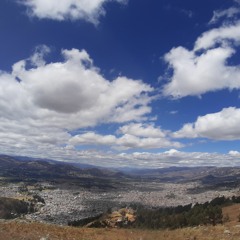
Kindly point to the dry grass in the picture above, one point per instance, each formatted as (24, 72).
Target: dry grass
(17, 230)
(233, 212)
(36, 231)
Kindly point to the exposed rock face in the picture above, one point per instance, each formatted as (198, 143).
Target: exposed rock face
(121, 218)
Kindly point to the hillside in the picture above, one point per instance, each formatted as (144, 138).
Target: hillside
(29, 170)
(20, 230)
(17, 168)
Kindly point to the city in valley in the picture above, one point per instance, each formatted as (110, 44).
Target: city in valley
(65, 193)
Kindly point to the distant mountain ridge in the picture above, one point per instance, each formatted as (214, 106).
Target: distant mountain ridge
(18, 169)
(27, 168)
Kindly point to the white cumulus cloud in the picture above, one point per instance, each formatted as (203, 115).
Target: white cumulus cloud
(223, 125)
(221, 35)
(226, 13)
(234, 153)
(89, 10)
(174, 157)
(205, 68)
(142, 130)
(40, 103)
(134, 135)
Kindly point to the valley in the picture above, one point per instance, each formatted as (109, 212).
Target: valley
(72, 193)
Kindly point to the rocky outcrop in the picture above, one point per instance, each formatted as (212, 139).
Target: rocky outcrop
(122, 218)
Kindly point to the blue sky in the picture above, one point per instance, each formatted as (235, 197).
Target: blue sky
(144, 83)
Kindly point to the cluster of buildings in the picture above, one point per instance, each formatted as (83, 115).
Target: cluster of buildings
(64, 205)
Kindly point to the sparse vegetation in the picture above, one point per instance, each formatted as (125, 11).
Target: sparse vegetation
(20, 230)
(12, 208)
(36, 231)
(178, 217)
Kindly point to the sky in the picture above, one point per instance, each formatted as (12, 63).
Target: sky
(121, 83)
